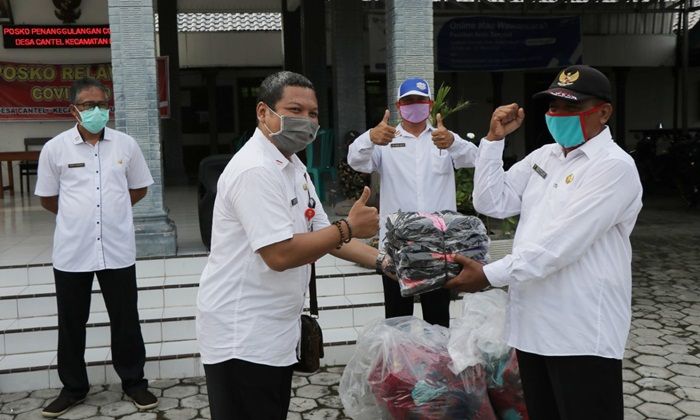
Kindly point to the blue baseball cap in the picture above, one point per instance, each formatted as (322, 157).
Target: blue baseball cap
(414, 86)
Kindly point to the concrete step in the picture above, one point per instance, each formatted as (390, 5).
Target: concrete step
(39, 334)
(173, 359)
(32, 274)
(349, 298)
(38, 300)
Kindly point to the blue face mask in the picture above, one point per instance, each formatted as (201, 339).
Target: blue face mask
(568, 129)
(95, 119)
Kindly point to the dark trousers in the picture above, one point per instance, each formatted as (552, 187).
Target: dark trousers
(435, 304)
(73, 293)
(243, 390)
(571, 387)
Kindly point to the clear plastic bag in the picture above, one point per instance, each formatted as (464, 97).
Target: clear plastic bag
(476, 340)
(505, 389)
(422, 245)
(476, 337)
(401, 371)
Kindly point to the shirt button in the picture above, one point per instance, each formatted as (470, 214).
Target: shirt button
(98, 188)
(98, 205)
(97, 172)
(98, 223)
(95, 154)
(98, 239)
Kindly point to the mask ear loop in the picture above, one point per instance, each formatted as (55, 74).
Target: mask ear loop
(281, 122)
(586, 113)
(265, 124)
(76, 110)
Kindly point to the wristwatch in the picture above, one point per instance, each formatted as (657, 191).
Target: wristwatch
(379, 261)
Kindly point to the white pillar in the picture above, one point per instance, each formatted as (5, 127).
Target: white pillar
(136, 113)
(409, 30)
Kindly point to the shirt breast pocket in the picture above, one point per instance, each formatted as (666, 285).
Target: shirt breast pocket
(117, 167)
(560, 196)
(75, 173)
(441, 161)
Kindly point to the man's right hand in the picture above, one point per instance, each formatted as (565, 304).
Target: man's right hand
(383, 133)
(505, 120)
(363, 220)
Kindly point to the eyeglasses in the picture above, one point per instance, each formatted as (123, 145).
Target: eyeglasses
(91, 105)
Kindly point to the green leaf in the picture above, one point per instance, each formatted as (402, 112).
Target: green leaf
(441, 105)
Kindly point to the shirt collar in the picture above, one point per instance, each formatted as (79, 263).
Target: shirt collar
(403, 133)
(107, 134)
(595, 146)
(274, 153)
(591, 148)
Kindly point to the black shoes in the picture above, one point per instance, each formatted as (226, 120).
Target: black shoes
(143, 399)
(60, 405)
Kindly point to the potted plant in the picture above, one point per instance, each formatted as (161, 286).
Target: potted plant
(442, 107)
(464, 177)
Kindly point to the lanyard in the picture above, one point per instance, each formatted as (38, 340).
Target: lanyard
(311, 204)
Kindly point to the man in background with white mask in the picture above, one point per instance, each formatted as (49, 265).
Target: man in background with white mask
(416, 164)
(90, 176)
(268, 227)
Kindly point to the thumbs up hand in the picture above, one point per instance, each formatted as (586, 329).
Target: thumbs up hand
(363, 220)
(383, 133)
(442, 137)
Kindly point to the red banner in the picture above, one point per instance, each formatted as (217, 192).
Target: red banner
(163, 79)
(30, 92)
(41, 91)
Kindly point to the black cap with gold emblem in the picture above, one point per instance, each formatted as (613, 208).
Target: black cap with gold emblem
(578, 83)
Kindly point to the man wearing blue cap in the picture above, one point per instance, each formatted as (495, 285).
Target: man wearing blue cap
(416, 163)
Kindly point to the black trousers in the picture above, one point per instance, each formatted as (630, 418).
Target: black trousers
(73, 294)
(571, 387)
(243, 390)
(435, 304)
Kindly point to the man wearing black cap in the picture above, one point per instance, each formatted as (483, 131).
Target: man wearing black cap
(569, 275)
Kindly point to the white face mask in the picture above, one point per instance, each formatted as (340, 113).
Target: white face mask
(294, 135)
(94, 120)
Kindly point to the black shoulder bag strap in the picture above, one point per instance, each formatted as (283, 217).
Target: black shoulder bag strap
(313, 303)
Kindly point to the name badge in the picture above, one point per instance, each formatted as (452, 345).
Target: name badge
(540, 171)
(397, 144)
(294, 201)
(76, 165)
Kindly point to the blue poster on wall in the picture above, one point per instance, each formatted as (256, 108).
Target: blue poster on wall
(508, 43)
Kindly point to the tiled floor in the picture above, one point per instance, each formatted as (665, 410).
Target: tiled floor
(26, 229)
(313, 397)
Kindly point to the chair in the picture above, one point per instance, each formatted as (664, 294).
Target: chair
(28, 168)
(319, 160)
(210, 168)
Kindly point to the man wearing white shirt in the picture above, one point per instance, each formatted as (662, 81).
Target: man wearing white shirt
(268, 226)
(416, 164)
(569, 275)
(90, 176)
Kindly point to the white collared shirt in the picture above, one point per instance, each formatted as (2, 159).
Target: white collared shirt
(569, 275)
(246, 310)
(94, 224)
(415, 175)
